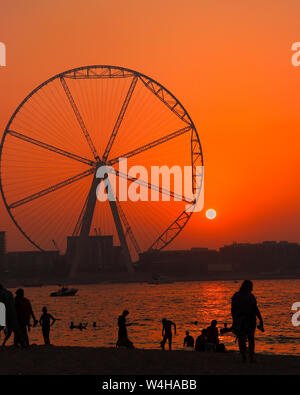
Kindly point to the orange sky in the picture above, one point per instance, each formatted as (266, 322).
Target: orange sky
(228, 62)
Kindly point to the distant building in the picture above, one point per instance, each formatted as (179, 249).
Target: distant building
(261, 258)
(266, 257)
(32, 263)
(101, 255)
(98, 254)
(178, 262)
(220, 267)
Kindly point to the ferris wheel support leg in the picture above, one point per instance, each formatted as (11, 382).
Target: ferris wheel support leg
(82, 244)
(122, 238)
(120, 230)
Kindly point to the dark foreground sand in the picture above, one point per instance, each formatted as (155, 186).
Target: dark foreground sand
(84, 360)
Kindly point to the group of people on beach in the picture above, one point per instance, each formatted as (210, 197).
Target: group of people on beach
(244, 311)
(19, 313)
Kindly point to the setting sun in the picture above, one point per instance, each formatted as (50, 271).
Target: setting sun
(211, 213)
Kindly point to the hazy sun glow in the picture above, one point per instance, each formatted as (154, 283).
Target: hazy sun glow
(211, 213)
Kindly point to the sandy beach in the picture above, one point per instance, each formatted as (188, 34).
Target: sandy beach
(97, 361)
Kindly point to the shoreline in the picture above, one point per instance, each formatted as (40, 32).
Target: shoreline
(57, 360)
(124, 278)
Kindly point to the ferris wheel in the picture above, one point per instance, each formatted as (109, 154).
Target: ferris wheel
(76, 122)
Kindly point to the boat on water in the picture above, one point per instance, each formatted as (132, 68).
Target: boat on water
(32, 285)
(65, 292)
(157, 279)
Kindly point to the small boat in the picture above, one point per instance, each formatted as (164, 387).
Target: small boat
(32, 285)
(65, 292)
(162, 281)
(157, 279)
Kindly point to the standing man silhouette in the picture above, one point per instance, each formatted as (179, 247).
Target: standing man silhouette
(46, 321)
(167, 333)
(24, 313)
(7, 298)
(244, 311)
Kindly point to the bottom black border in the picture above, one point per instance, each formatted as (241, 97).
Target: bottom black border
(94, 384)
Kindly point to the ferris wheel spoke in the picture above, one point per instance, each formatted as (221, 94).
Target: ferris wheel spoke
(52, 188)
(80, 218)
(128, 229)
(50, 147)
(150, 186)
(120, 118)
(150, 145)
(79, 118)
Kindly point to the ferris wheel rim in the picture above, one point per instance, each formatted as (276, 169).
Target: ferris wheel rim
(63, 74)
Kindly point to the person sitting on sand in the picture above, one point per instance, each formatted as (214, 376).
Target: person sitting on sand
(212, 333)
(122, 332)
(45, 324)
(167, 333)
(201, 341)
(244, 311)
(212, 341)
(188, 340)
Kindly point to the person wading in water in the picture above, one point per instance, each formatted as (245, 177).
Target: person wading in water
(167, 333)
(122, 334)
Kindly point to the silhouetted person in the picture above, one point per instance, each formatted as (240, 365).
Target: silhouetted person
(201, 341)
(82, 326)
(45, 322)
(225, 329)
(188, 340)
(24, 313)
(79, 326)
(244, 311)
(167, 333)
(6, 297)
(212, 333)
(94, 324)
(122, 332)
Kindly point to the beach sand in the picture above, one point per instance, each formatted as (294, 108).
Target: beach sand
(98, 361)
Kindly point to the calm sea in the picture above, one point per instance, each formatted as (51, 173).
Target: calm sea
(183, 302)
